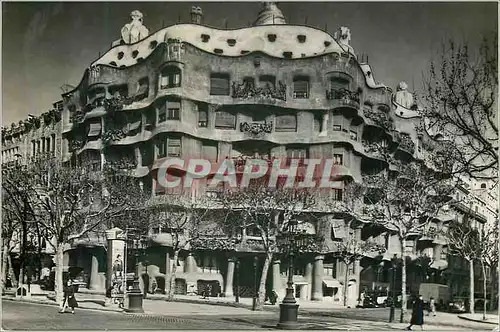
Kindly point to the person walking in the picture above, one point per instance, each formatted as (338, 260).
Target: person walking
(432, 307)
(417, 314)
(69, 297)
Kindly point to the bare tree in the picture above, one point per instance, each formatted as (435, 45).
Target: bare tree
(187, 221)
(406, 203)
(18, 217)
(462, 243)
(268, 211)
(72, 202)
(460, 102)
(352, 249)
(487, 255)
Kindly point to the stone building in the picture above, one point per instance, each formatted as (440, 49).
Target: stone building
(270, 90)
(22, 142)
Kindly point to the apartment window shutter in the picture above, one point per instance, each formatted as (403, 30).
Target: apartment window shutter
(94, 130)
(286, 123)
(219, 85)
(301, 89)
(225, 120)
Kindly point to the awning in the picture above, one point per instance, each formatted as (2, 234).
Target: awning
(94, 130)
(134, 125)
(332, 283)
(143, 89)
(338, 228)
(439, 265)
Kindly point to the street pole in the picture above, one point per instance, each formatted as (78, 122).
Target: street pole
(393, 290)
(135, 295)
(255, 291)
(289, 307)
(237, 281)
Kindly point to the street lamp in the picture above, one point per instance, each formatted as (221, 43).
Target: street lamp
(394, 264)
(289, 307)
(237, 281)
(135, 296)
(256, 291)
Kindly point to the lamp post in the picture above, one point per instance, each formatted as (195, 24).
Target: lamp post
(289, 307)
(255, 290)
(135, 295)
(393, 287)
(237, 281)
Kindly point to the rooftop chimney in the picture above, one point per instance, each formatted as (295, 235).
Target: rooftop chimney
(196, 15)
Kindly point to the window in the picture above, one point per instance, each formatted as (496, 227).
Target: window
(171, 147)
(295, 153)
(337, 194)
(53, 143)
(173, 110)
(119, 90)
(353, 135)
(317, 123)
(337, 128)
(286, 122)
(340, 81)
(301, 88)
(170, 77)
(330, 269)
(202, 117)
(225, 120)
(174, 147)
(162, 149)
(162, 113)
(267, 81)
(249, 82)
(338, 159)
(219, 84)
(142, 89)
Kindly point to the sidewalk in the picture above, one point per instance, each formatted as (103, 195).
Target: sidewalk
(477, 317)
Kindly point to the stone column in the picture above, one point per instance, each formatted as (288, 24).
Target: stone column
(277, 283)
(438, 248)
(190, 265)
(308, 276)
(94, 272)
(229, 277)
(168, 264)
(317, 291)
(324, 124)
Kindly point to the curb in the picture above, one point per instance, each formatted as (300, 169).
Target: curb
(52, 303)
(477, 320)
(193, 301)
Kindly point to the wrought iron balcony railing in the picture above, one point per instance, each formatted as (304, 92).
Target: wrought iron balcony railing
(380, 119)
(256, 128)
(407, 143)
(249, 90)
(347, 96)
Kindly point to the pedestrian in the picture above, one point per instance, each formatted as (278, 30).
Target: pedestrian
(432, 307)
(417, 314)
(69, 297)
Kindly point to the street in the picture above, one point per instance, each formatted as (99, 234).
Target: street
(28, 316)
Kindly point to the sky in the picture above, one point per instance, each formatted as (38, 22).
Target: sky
(46, 45)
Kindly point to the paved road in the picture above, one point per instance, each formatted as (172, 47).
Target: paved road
(27, 316)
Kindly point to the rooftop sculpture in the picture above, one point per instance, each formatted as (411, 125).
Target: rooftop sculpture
(134, 31)
(403, 97)
(343, 37)
(270, 14)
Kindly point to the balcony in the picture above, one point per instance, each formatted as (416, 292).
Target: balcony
(406, 143)
(77, 116)
(112, 135)
(121, 164)
(256, 128)
(174, 50)
(376, 150)
(247, 90)
(380, 119)
(76, 144)
(346, 97)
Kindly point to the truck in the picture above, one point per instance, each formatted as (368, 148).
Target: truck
(440, 293)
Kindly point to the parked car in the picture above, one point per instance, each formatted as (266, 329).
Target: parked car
(456, 306)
